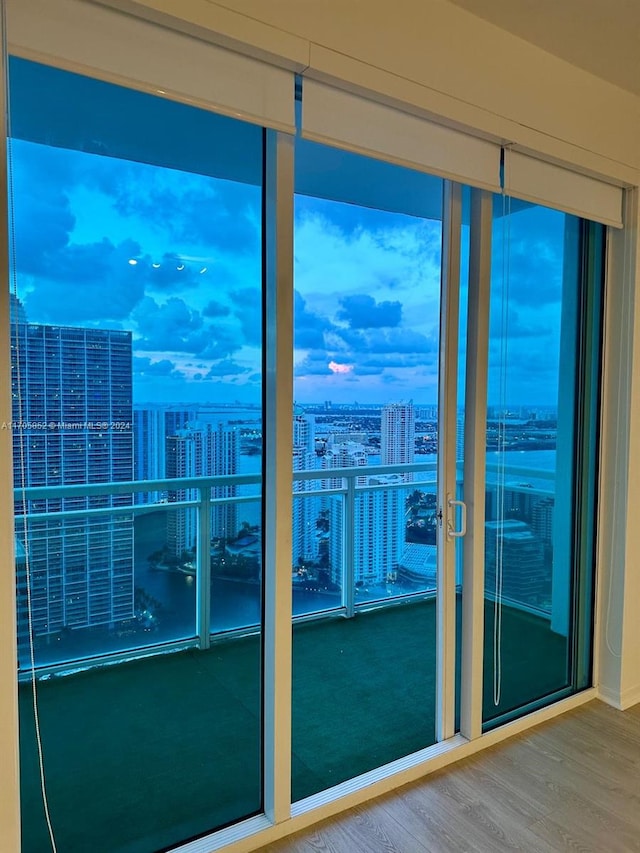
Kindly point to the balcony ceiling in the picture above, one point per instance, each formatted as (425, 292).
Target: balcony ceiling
(599, 36)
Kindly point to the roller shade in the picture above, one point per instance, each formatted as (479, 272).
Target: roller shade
(533, 180)
(354, 123)
(90, 39)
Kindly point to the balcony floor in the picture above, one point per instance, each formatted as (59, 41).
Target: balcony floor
(143, 755)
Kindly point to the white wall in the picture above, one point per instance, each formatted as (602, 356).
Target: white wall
(618, 626)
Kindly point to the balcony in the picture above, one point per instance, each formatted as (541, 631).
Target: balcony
(172, 741)
(174, 601)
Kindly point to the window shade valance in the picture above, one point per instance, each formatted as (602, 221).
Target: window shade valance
(534, 180)
(92, 39)
(119, 48)
(348, 121)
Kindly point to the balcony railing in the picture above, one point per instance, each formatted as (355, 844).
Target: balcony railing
(356, 482)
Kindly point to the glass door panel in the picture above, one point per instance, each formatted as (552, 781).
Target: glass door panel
(535, 377)
(137, 369)
(367, 273)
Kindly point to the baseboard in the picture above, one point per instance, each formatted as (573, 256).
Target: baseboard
(627, 699)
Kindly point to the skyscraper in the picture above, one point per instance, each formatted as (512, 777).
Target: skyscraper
(378, 520)
(149, 452)
(201, 451)
(398, 434)
(397, 447)
(222, 460)
(185, 458)
(512, 545)
(305, 510)
(151, 426)
(72, 406)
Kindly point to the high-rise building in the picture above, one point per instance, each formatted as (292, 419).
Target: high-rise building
(148, 450)
(512, 547)
(542, 521)
(304, 430)
(151, 426)
(223, 451)
(398, 435)
(201, 451)
(347, 454)
(185, 458)
(378, 520)
(72, 406)
(397, 447)
(305, 510)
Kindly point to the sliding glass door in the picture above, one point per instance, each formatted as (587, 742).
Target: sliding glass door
(368, 523)
(136, 332)
(304, 446)
(543, 364)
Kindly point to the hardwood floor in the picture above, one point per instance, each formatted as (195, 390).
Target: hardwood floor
(570, 784)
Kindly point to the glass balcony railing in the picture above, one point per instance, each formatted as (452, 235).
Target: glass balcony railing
(118, 570)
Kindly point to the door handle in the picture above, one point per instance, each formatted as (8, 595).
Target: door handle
(452, 533)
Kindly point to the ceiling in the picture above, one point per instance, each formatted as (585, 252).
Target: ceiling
(600, 36)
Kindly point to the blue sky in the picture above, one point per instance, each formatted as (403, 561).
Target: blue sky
(175, 258)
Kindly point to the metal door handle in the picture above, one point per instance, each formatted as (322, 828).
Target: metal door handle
(451, 532)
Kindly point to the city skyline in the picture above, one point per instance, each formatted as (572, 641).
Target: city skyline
(117, 241)
(69, 380)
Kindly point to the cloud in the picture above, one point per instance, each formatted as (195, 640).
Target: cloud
(145, 367)
(398, 255)
(215, 309)
(367, 370)
(384, 341)
(535, 239)
(314, 364)
(539, 322)
(368, 295)
(309, 328)
(340, 367)
(395, 360)
(172, 326)
(248, 309)
(227, 367)
(217, 341)
(221, 214)
(42, 223)
(85, 282)
(361, 311)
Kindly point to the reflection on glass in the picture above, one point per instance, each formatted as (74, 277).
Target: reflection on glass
(404, 546)
(366, 327)
(236, 562)
(533, 381)
(317, 582)
(125, 610)
(136, 357)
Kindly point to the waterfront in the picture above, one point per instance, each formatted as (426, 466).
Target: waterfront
(166, 600)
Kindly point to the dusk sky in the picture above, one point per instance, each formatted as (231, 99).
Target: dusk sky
(175, 257)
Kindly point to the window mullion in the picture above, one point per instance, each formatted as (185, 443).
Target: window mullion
(447, 418)
(9, 803)
(278, 478)
(475, 430)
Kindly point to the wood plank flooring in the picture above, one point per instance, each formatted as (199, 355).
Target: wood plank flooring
(570, 784)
